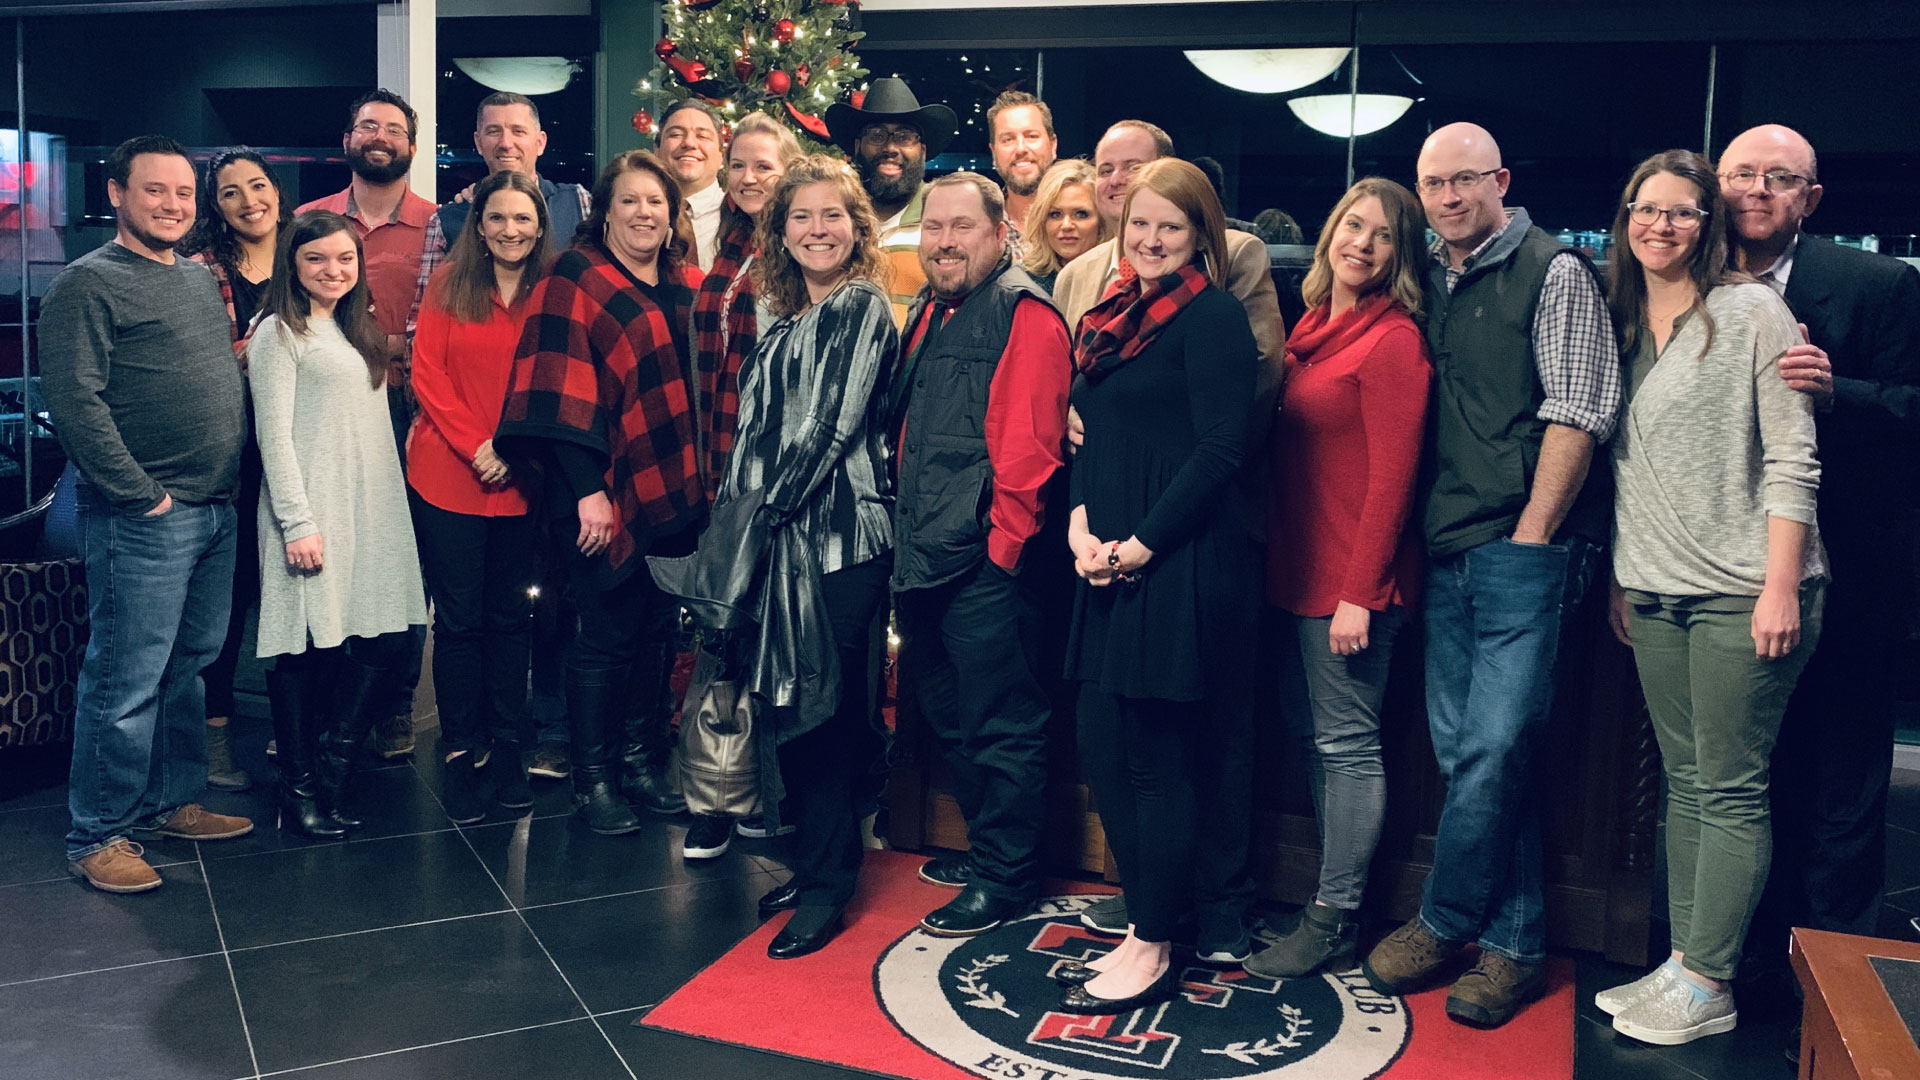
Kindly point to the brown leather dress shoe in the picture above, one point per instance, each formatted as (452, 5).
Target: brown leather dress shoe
(196, 822)
(117, 868)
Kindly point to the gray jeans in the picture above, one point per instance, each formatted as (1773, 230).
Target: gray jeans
(1332, 703)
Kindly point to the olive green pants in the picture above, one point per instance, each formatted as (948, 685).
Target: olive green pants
(1716, 710)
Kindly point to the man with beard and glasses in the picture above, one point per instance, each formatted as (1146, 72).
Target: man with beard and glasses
(137, 365)
(971, 496)
(392, 225)
(1023, 143)
(890, 138)
(691, 145)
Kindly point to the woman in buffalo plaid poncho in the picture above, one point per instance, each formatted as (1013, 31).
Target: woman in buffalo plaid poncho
(603, 396)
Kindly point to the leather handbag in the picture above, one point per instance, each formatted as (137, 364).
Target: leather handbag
(719, 763)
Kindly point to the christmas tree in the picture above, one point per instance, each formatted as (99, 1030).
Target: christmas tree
(787, 58)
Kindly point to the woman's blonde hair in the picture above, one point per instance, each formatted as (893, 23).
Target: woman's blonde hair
(1406, 224)
(785, 147)
(1188, 189)
(777, 279)
(1061, 175)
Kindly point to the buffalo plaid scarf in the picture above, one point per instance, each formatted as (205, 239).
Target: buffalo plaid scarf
(599, 367)
(724, 331)
(1131, 315)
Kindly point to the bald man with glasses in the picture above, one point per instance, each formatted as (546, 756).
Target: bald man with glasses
(1526, 388)
(1860, 315)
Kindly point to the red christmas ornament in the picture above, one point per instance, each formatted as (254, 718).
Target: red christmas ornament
(801, 74)
(778, 83)
(643, 122)
(859, 99)
(814, 125)
(726, 133)
(783, 31)
(743, 68)
(665, 48)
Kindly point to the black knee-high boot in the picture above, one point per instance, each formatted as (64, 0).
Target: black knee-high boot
(359, 694)
(647, 772)
(593, 720)
(294, 735)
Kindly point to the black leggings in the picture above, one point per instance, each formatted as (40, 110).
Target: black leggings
(825, 770)
(1141, 757)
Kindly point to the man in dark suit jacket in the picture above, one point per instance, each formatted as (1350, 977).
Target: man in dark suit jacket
(1860, 314)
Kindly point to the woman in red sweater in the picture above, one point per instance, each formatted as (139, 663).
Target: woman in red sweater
(1341, 561)
(469, 510)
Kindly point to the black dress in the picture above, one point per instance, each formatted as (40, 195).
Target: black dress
(1164, 435)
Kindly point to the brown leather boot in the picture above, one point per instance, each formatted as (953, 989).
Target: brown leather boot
(1408, 958)
(1496, 987)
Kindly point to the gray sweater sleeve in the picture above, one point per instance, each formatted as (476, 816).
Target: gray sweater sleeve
(76, 352)
(274, 374)
(1790, 468)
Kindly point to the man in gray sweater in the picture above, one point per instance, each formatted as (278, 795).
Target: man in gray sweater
(138, 370)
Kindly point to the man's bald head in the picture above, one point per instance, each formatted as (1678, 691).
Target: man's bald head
(1776, 165)
(1462, 185)
(1772, 140)
(1460, 141)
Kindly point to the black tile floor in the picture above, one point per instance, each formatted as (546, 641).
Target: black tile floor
(513, 949)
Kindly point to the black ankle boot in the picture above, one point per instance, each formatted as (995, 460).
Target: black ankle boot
(465, 791)
(359, 692)
(592, 701)
(298, 812)
(507, 773)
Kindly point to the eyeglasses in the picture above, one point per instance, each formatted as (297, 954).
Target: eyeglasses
(1682, 217)
(1773, 179)
(879, 136)
(1461, 181)
(369, 127)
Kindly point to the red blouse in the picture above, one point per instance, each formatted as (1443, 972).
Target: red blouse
(460, 374)
(1344, 452)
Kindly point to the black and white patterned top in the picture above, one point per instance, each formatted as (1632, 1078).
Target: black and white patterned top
(810, 430)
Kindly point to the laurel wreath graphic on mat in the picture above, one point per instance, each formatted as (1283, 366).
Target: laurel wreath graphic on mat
(979, 994)
(1247, 1053)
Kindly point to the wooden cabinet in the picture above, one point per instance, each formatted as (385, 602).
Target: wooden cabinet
(1599, 771)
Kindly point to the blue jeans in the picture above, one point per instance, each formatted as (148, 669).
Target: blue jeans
(159, 590)
(1495, 614)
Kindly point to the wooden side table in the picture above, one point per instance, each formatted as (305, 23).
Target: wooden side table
(1850, 1029)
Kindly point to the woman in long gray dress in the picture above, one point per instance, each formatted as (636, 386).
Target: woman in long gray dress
(340, 578)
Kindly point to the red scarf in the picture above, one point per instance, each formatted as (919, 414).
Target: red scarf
(1131, 315)
(1318, 335)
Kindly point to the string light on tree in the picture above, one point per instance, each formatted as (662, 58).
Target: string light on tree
(789, 58)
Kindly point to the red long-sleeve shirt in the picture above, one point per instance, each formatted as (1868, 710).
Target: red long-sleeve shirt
(460, 374)
(1345, 449)
(1026, 423)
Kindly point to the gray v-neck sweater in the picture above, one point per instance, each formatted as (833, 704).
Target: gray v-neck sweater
(1713, 444)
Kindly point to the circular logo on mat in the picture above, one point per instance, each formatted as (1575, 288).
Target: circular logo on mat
(989, 1005)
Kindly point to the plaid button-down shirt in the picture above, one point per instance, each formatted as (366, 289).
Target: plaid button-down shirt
(1575, 351)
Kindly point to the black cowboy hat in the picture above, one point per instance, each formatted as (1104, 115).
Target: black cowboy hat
(890, 99)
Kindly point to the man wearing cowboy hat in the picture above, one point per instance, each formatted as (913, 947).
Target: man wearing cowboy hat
(890, 136)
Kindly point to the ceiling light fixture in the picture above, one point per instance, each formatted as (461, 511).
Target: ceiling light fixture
(1267, 71)
(1346, 115)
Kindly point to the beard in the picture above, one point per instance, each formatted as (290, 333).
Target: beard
(891, 189)
(1022, 188)
(366, 170)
